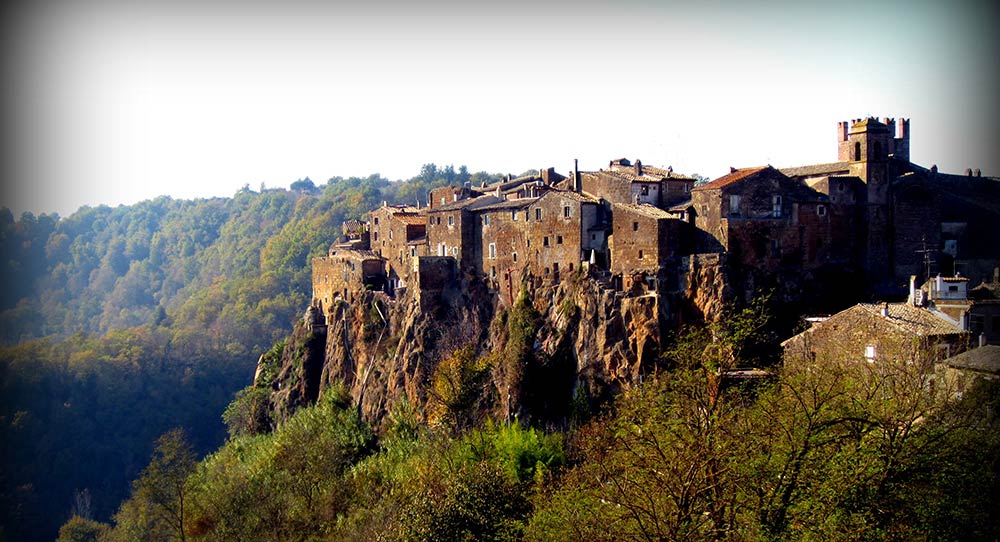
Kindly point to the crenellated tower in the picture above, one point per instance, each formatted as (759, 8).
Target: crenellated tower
(870, 146)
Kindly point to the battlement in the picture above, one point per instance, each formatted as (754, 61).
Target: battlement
(854, 138)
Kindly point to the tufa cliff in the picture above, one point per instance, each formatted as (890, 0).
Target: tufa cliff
(557, 348)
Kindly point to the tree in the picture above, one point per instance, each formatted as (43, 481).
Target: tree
(78, 529)
(162, 486)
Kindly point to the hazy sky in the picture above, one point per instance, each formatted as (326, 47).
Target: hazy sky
(115, 102)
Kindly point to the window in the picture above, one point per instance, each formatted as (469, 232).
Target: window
(952, 288)
(870, 353)
(451, 220)
(515, 257)
(559, 239)
(776, 206)
(442, 200)
(640, 254)
(390, 235)
(493, 251)
(687, 187)
(821, 210)
(438, 221)
(734, 204)
(645, 190)
(566, 211)
(486, 220)
(413, 252)
(538, 214)
(857, 152)
(635, 226)
(525, 215)
(376, 236)
(593, 237)
(545, 241)
(493, 272)
(376, 221)
(454, 251)
(513, 216)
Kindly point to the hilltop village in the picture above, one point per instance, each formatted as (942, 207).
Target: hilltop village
(871, 223)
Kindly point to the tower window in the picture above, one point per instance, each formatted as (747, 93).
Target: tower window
(857, 152)
(820, 210)
(566, 211)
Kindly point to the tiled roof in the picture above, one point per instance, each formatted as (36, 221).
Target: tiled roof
(913, 320)
(649, 174)
(516, 203)
(466, 203)
(816, 170)
(681, 206)
(358, 254)
(732, 178)
(645, 209)
(411, 219)
(984, 359)
(569, 194)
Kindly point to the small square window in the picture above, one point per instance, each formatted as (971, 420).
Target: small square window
(566, 211)
(559, 239)
(545, 241)
(451, 220)
(640, 254)
(513, 216)
(538, 214)
(870, 353)
(635, 226)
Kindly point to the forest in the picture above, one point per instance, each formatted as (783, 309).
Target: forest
(118, 324)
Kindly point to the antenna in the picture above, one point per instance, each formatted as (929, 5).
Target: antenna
(927, 257)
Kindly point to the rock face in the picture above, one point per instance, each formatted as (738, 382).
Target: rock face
(588, 341)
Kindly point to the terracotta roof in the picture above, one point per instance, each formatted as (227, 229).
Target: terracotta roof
(732, 178)
(816, 170)
(650, 174)
(357, 254)
(682, 206)
(983, 359)
(645, 209)
(914, 320)
(466, 203)
(569, 194)
(411, 219)
(516, 203)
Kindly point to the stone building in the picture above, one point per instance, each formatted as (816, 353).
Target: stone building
(625, 182)
(878, 333)
(906, 215)
(399, 235)
(644, 240)
(763, 219)
(451, 229)
(341, 271)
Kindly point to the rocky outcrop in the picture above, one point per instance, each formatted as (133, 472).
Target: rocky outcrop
(589, 341)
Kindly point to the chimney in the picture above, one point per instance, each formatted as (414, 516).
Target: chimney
(938, 286)
(577, 186)
(913, 290)
(638, 168)
(885, 310)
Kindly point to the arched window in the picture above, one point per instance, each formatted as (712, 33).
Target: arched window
(857, 152)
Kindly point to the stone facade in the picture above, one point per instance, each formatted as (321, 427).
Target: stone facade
(878, 333)
(398, 234)
(341, 271)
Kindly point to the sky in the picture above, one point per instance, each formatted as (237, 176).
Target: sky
(114, 102)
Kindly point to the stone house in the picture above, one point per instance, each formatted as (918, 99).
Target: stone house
(451, 230)
(562, 231)
(878, 333)
(337, 274)
(644, 239)
(398, 234)
(763, 219)
(625, 182)
(976, 310)
(501, 246)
